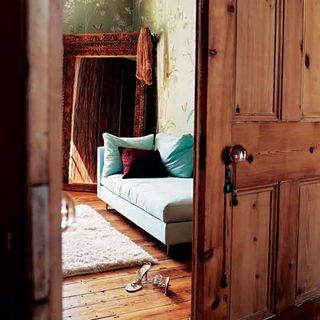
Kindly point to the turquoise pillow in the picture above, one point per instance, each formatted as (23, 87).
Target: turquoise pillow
(176, 153)
(112, 158)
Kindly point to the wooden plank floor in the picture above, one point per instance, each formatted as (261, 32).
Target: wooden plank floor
(102, 295)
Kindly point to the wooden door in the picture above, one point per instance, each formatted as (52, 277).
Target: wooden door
(44, 158)
(31, 126)
(258, 86)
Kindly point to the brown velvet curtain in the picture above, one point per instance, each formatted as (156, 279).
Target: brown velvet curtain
(104, 102)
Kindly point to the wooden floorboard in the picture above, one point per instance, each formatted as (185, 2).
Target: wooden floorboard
(102, 295)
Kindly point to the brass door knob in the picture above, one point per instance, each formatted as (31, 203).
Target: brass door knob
(238, 153)
(67, 211)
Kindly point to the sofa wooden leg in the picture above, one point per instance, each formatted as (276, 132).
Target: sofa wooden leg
(108, 208)
(168, 250)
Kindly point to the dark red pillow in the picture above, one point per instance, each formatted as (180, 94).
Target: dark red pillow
(138, 163)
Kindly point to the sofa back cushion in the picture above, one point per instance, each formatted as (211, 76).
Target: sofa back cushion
(176, 153)
(138, 163)
(112, 159)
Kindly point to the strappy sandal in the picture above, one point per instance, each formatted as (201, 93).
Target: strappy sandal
(159, 281)
(136, 284)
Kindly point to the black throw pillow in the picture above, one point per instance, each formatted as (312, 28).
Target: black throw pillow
(145, 165)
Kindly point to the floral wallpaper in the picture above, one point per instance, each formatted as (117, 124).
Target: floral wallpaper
(174, 21)
(95, 16)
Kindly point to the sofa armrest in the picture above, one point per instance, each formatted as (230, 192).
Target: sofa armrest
(100, 162)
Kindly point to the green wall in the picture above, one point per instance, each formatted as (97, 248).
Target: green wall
(173, 21)
(94, 16)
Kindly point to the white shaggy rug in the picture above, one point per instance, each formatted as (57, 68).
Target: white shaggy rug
(92, 245)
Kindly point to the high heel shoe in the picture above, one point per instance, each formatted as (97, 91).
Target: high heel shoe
(159, 281)
(136, 284)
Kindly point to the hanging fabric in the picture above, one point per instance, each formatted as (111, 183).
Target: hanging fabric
(144, 57)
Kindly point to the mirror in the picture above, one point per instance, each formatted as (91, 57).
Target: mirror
(102, 94)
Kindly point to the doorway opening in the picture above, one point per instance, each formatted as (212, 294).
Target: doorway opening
(115, 127)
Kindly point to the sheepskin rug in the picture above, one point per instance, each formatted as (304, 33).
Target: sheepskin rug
(92, 245)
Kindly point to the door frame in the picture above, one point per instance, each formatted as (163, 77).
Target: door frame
(199, 254)
(44, 157)
(203, 249)
(209, 298)
(46, 184)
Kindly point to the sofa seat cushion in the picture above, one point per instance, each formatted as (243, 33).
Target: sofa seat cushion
(168, 199)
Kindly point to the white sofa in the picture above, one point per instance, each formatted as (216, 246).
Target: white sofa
(160, 206)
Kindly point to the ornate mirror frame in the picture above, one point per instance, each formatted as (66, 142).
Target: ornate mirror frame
(94, 45)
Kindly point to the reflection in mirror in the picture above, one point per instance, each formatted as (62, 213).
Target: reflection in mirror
(104, 101)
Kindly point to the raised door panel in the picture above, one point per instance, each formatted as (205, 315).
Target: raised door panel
(255, 58)
(311, 74)
(298, 265)
(292, 59)
(308, 276)
(252, 254)
(287, 245)
(301, 60)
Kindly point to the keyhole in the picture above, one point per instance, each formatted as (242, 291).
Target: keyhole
(250, 158)
(215, 304)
